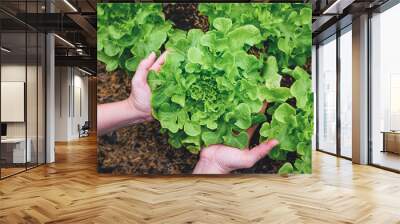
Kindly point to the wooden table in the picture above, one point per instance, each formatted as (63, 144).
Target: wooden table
(391, 141)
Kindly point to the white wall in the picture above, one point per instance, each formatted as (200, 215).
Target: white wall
(16, 73)
(12, 73)
(70, 84)
(80, 110)
(62, 82)
(33, 127)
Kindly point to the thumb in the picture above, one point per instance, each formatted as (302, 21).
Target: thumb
(143, 68)
(252, 129)
(159, 62)
(261, 150)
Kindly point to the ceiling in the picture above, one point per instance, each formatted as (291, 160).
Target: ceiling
(19, 54)
(39, 6)
(74, 22)
(330, 15)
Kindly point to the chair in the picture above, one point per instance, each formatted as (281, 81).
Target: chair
(84, 130)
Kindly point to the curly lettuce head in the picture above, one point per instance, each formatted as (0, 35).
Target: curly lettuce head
(209, 89)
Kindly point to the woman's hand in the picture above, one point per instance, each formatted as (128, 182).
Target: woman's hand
(136, 108)
(140, 98)
(221, 159)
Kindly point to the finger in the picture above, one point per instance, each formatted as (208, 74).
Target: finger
(264, 107)
(260, 151)
(146, 63)
(159, 62)
(144, 66)
(252, 129)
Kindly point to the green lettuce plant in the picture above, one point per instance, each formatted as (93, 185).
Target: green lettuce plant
(127, 33)
(292, 127)
(209, 89)
(285, 27)
(286, 42)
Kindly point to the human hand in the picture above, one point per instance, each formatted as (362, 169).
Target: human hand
(140, 97)
(221, 159)
(136, 108)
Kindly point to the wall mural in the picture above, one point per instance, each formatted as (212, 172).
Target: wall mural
(205, 88)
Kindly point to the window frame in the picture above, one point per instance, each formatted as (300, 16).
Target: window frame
(337, 35)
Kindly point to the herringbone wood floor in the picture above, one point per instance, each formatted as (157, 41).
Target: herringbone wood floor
(71, 191)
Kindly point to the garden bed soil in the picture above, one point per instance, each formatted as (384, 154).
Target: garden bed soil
(185, 16)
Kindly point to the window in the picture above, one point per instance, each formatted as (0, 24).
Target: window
(327, 95)
(346, 92)
(385, 89)
(314, 89)
(22, 78)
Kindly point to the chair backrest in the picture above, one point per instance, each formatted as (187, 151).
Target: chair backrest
(86, 125)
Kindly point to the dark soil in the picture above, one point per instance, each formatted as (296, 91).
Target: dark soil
(292, 102)
(307, 66)
(254, 51)
(287, 81)
(185, 16)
